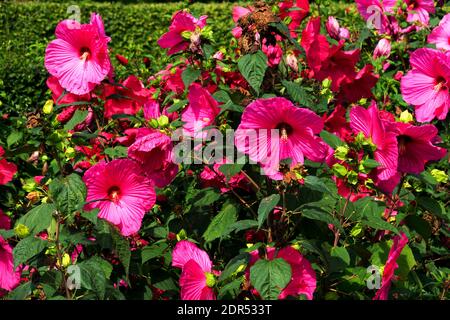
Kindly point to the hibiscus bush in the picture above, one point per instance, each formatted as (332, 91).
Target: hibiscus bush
(305, 159)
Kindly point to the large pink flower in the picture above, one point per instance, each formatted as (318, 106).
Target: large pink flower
(197, 278)
(441, 34)
(182, 22)
(126, 98)
(296, 10)
(415, 147)
(419, 10)
(9, 278)
(201, 111)
(426, 86)
(384, 137)
(296, 138)
(121, 192)
(7, 169)
(303, 277)
(390, 267)
(154, 152)
(376, 12)
(78, 57)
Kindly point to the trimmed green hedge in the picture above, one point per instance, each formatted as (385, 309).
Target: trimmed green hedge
(134, 28)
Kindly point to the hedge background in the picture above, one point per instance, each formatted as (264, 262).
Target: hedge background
(134, 26)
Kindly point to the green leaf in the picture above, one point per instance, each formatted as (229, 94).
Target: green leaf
(121, 247)
(229, 170)
(220, 225)
(93, 276)
(177, 106)
(189, 75)
(27, 248)
(38, 218)
(265, 207)
(253, 67)
(340, 259)
(21, 292)
(284, 30)
(230, 290)
(234, 265)
(331, 139)
(418, 224)
(243, 225)
(77, 118)
(433, 206)
(270, 277)
(69, 193)
(371, 213)
(206, 197)
(298, 94)
(153, 251)
(321, 215)
(116, 152)
(315, 183)
(14, 137)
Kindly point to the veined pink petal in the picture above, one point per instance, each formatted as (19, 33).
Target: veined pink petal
(193, 283)
(185, 251)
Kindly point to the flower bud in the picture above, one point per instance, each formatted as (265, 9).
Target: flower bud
(439, 175)
(406, 117)
(21, 231)
(122, 60)
(48, 107)
(383, 49)
(341, 152)
(332, 26)
(292, 61)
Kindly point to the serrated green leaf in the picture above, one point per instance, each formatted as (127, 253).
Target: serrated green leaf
(270, 277)
(38, 218)
(68, 192)
(266, 206)
(189, 75)
(27, 248)
(298, 94)
(220, 225)
(253, 68)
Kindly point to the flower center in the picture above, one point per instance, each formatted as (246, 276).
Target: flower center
(285, 130)
(210, 279)
(441, 84)
(85, 53)
(402, 143)
(413, 5)
(114, 194)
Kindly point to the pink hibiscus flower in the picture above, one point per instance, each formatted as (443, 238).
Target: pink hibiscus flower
(201, 111)
(415, 147)
(5, 221)
(315, 44)
(154, 152)
(197, 278)
(125, 99)
(7, 169)
(121, 192)
(78, 57)
(303, 277)
(296, 139)
(296, 10)
(441, 34)
(426, 86)
(390, 267)
(9, 278)
(182, 22)
(375, 12)
(419, 10)
(384, 138)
